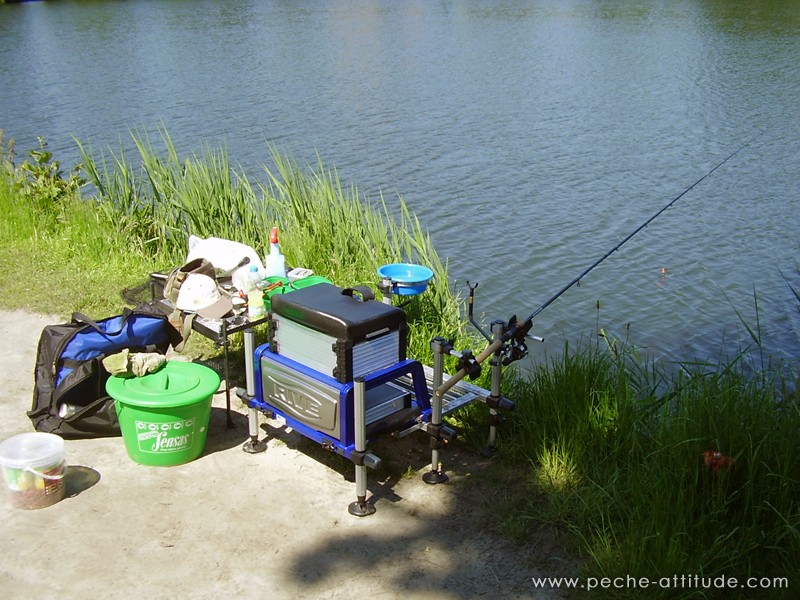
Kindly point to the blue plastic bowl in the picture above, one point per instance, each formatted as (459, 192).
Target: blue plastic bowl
(407, 279)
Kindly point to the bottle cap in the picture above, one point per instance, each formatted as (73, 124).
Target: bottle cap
(273, 236)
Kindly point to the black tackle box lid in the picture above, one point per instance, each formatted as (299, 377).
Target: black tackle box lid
(348, 314)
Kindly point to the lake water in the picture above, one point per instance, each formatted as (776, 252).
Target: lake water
(530, 137)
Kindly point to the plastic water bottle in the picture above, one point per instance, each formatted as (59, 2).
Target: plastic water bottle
(274, 262)
(65, 411)
(255, 296)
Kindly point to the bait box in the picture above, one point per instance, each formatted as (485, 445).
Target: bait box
(334, 332)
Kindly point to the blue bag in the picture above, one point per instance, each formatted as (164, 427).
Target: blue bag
(69, 396)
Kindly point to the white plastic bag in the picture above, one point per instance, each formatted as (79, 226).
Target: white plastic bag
(227, 256)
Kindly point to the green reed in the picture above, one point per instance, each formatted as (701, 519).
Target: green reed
(162, 198)
(334, 231)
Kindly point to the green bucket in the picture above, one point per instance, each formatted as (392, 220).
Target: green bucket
(164, 415)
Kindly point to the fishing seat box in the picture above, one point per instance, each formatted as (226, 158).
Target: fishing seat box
(342, 333)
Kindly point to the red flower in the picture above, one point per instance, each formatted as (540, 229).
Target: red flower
(716, 460)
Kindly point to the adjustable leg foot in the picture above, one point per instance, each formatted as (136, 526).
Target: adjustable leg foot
(489, 451)
(254, 446)
(361, 508)
(433, 477)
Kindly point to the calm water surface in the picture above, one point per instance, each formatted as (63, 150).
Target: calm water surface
(529, 137)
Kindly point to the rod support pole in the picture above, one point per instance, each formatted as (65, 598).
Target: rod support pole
(498, 330)
(440, 347)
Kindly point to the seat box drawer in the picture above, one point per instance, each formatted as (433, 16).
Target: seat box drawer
(341, 359)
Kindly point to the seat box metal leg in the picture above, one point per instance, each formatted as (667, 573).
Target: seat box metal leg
(253, 445)
(360, 508)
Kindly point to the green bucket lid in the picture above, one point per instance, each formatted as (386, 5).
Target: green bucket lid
(175, 384)
(305, 282)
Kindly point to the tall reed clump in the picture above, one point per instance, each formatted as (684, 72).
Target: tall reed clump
(162, 199)
(700, 479)
(324, 226)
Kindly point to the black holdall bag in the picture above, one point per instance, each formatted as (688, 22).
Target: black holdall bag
(69, 396)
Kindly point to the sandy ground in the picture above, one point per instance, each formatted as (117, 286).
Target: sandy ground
(271, 525)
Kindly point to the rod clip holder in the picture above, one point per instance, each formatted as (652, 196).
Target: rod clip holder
(441, 435)
(499, 402)
(469, 364)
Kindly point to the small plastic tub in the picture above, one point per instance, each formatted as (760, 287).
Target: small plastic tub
(305, 282)
(33, 469)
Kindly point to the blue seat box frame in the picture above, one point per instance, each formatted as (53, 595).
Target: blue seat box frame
(346, 444)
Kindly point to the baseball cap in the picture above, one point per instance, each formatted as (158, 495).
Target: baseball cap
(200, 293)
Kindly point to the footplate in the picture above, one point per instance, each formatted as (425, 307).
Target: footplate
(460, 395)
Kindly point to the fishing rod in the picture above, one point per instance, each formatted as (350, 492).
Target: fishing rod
(516, 331)
(637, 230)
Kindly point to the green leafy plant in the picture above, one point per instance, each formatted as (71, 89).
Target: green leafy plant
(42, 180)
